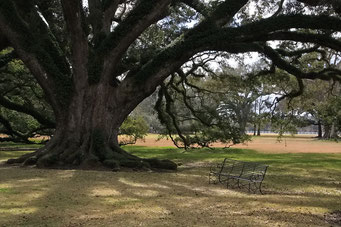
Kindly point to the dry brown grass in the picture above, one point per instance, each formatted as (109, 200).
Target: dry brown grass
(33, 197)
(266, 144)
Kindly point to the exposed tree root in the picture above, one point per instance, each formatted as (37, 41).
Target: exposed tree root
(69, 156)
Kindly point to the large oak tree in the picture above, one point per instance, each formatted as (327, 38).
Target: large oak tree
(110, 59)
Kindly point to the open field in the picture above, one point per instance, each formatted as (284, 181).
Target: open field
(300, 190)
(267, 144)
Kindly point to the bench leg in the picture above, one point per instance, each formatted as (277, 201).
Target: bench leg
(257, 187)
(239, 184)
(227, 182)
(260, 188)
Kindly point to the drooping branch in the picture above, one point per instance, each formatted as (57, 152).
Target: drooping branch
(163, 118)
(8, 130)
(169, 102)
(294, 93)
(14, 136)
(30, 111)
(324, 74)
(194, 112)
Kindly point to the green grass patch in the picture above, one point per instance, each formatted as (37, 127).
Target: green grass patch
(4, 190)
(4, 155)
(19, 145)
(301, 160)
(7, 191)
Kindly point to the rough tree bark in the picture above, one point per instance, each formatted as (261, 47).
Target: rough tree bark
(86, 134)
(89, 109)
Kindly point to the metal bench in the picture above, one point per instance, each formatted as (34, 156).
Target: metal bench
(239, 173)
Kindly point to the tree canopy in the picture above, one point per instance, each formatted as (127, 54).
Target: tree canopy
(96, 60)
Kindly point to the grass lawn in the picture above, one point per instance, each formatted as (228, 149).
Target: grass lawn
(300, 188)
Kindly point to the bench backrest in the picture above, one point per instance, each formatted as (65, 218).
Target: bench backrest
(260, 171)
(255, 171)
(247, 170)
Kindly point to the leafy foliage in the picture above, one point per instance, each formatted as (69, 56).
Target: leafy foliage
(21, 103)
(132, 129)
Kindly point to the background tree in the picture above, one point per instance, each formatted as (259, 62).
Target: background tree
(317, 104)
(23, 110)
(132, 129)
(203, 106)
(106, 63)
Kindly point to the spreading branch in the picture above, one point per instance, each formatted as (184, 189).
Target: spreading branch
(141, 17)
(30, 111)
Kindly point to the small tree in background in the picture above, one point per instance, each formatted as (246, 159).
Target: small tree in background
(132, 129)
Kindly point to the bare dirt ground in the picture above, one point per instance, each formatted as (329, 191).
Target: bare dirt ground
(266, 144)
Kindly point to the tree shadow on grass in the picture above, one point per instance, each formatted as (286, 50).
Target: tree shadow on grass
(37, 197)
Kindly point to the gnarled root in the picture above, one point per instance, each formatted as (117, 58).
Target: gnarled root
(67, 155)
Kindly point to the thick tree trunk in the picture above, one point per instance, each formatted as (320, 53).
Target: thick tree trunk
(258, 130)
(319, 132)
(86, 136)
(327, 130)
(333, 132)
